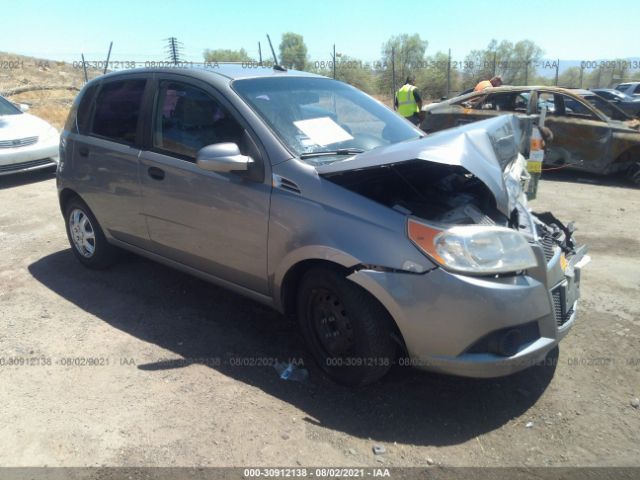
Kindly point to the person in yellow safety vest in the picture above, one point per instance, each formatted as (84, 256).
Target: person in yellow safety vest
(494, 82)
(408, 101)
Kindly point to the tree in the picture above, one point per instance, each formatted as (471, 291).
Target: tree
(570, 78)
(224, 55)
(432, 79)
(516, 63)
(409, 53)
(293, 51)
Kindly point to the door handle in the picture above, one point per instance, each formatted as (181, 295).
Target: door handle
(156, 173)
(83, 151)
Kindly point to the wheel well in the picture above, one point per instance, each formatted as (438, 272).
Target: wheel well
(291, 281)
(65, 195)
(629, 155)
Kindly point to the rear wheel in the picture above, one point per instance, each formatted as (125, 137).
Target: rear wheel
(87, 239)
(346, 329)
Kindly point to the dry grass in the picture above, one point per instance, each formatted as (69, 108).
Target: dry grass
(50, 105)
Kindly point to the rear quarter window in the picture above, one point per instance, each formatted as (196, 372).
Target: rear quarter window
(78, 118)
(117, 109)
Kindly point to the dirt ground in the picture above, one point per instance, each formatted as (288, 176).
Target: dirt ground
(138, 365)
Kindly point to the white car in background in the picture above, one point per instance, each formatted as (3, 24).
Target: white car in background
(26, 142)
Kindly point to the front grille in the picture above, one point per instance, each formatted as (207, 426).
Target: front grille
(558, 307)
(18, 142)
(548, 245)
(20, 166)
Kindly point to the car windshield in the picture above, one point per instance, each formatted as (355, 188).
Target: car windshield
(321, 119)
(8, 108)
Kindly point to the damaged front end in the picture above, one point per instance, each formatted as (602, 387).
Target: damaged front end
(462, 192)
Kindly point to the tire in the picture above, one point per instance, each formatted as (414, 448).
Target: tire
(633, 173)
(86, 237)
(347, 331)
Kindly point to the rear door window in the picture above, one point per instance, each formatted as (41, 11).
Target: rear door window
(117, 109)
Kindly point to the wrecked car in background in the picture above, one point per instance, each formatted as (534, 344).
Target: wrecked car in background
(305, 194)
(584, 137)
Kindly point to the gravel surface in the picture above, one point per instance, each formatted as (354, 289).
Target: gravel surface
(141, 365)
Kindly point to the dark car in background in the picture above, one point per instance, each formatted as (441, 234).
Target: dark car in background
(630, 88)
(584, 137)
(610, 109)
(624, 101)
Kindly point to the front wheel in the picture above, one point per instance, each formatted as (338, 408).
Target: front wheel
(87, 239)
(348, 332)
(633, 173)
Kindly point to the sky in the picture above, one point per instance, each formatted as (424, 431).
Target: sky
(62, 29)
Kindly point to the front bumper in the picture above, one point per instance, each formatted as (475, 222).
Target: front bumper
(454, 323)
(42, 154)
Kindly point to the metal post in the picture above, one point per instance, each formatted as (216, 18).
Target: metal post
(557, 69)
(393, 76)
(84, 67)
(334, 61)
(581, 72)
(260, 53)
(108, 56)
(449, 74)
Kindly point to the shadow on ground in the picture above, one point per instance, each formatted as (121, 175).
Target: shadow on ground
(25, 178)
(572, 176)
(194, 319)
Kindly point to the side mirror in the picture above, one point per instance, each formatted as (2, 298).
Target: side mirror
(223, 158)
(23, 107)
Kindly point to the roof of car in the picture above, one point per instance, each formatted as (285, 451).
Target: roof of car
(519, 88)
(229, 71)
(515, 88)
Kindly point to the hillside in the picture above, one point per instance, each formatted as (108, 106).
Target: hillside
(52, 105)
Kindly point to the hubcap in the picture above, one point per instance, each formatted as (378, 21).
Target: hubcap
(82, 233)
(331, 323)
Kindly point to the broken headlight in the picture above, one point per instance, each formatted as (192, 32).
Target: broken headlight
(473, 249)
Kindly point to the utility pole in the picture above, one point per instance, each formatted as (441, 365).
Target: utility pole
(557, 70)
(260, 53)
(173, 49)
(526, 72)
(393, 75)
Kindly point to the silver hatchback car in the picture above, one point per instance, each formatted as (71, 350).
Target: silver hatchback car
(308, 195)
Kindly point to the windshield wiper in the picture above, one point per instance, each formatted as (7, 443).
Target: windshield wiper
(326, 153)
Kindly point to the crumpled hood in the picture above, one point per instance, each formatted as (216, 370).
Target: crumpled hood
(483, 148)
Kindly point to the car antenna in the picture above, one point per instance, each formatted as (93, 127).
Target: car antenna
(276, 65)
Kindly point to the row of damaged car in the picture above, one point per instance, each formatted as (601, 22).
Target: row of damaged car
(585, 138)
